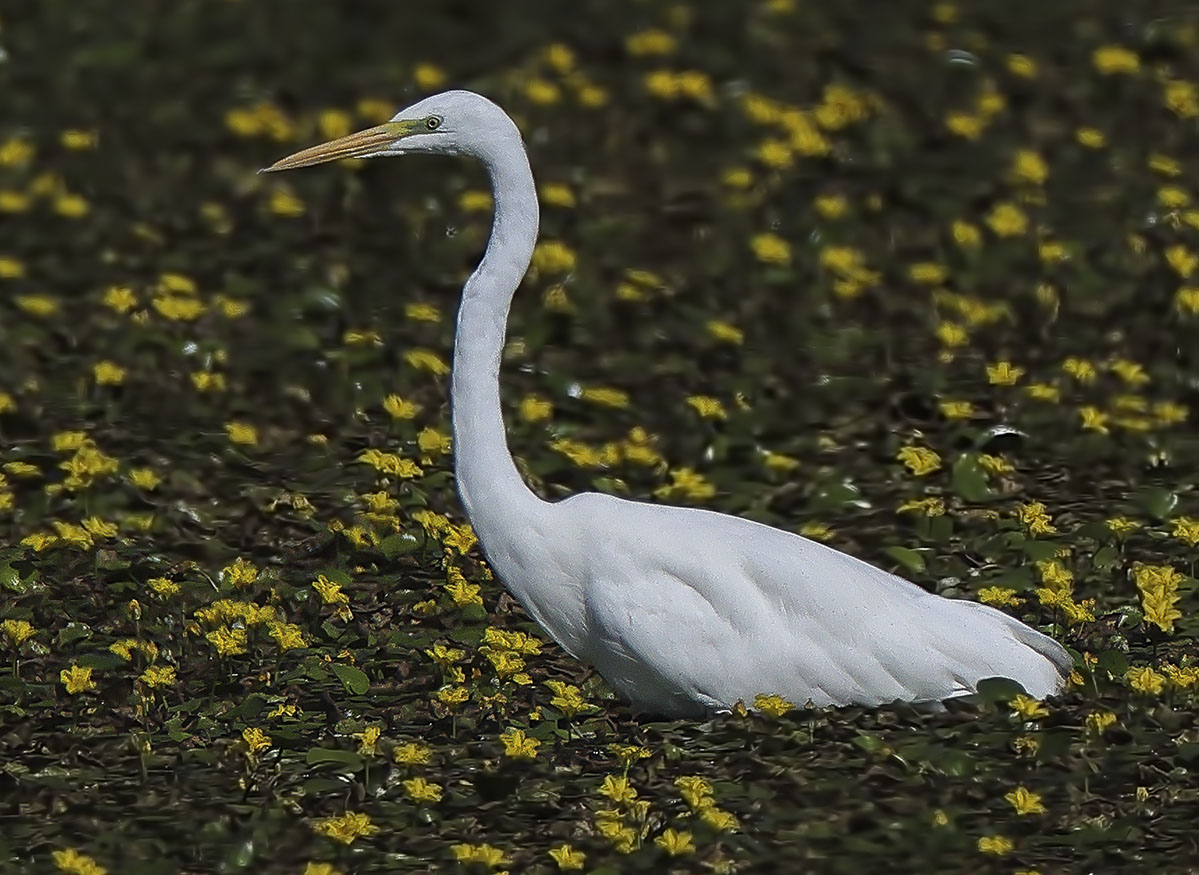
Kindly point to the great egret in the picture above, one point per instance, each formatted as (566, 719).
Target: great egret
(682, 611)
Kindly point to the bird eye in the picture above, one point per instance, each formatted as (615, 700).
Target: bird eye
(433, 122)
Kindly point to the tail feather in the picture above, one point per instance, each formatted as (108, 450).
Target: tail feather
(1031, 638)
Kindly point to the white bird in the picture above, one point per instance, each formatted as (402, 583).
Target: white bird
(682, 611)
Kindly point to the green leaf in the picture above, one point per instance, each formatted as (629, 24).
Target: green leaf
(970, 481)
(249, 709)
(995, 690)
(398, 544)
(324, 755)
(1040, 551)
(907, 557)
(1157, 502)
(1112, 661)
(1105, 557)
(10, 579)
(353, 679)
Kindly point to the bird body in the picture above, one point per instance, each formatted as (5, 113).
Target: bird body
(682, 611)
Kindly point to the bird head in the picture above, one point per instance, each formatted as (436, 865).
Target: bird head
(454, 123)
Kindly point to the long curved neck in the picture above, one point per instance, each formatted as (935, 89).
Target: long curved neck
(493, 492)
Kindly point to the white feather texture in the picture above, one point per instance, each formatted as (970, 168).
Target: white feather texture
(685, 611)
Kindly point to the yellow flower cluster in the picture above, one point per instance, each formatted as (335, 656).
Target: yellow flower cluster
(1158, 585)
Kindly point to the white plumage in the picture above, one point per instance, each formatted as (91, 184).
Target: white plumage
(682, 611)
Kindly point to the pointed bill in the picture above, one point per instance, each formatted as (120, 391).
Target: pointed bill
(356, 145)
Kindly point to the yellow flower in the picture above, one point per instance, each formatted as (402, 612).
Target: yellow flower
(627, 754)
(158, 676)
(1007, 220)
(163, 587)
(1130, 372)
(427, 360)
(288, 636)
(553, 257)
(518, 745)
(474, 201)
(1182, 260)
(421, 312)
(1028, 708)
(618, 789)
(241, 573)
(675, 842)
(919, 460)
(1158, 585)
(928, 273)
(957, 409)
(17, 631)
(650, 42)
(998, 596)
(965, 125)
(831, 206)
(1025, 801)
(1181, 97)
(776, 154)
(1186, 529)
(71, 205)
(688, 483)
(771, 249)
(1091, 138)
(329, 591)
(463, 593)
(772, 705)
(420, 790)
(965, 234)
(1028, 166)
(227, 642)
(242, 433)
(284, 202)
(560, 58)
(707, 407)
(14, 151)
(996, 846)
(312, 868)
(605, 396)
(542, 92)
(70, 860)
(412, 753)
(952, 334)
(816, 531)
(398, 408)
(1022, 66)
(1144, 679)
(568, 698)
(77, 679)
(779, 461)
(347, 828)
(928, 506)
(1098, 721)
(567, 857)
(206, 381)
(484, 854)
(428, 76)
(37, 305)
(1034, 518)
(13, 201)
(1186, 300)
(534, 408)
(737, 177)
(557, 195)
(1110, 60)
(1004, 373)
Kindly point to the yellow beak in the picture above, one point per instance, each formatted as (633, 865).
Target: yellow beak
(355, 145)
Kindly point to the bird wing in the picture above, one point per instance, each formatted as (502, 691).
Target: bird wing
(717, 608)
